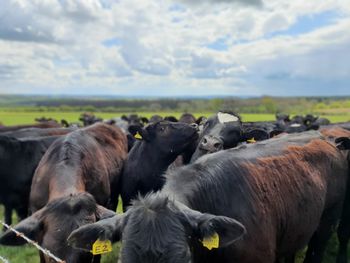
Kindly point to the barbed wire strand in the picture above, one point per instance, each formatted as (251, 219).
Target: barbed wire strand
(35, 244)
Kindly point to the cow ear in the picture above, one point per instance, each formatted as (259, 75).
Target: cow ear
(211, 230)
(103, 213)
(31, 227)
(343, 143)
(257, 134)
(144, 134)
(106, 229)
(124, 117)
(226, 230)
(139, 133)
(144, 120)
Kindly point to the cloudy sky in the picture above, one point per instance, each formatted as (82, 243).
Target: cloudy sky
(175, 48)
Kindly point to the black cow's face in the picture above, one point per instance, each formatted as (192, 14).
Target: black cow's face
(221, 131)
(169, 137)
(156, 229)
(52, 225)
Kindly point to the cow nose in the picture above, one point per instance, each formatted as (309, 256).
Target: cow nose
(211, 144)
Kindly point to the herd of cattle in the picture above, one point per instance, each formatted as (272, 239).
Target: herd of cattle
(260, 190)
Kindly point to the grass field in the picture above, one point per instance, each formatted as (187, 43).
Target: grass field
(14, 117)
(28, 254)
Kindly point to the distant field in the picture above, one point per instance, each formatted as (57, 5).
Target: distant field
(14, 117)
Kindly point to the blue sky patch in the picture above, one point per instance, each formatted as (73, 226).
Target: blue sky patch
(177, 8)
(219, 44)
(309, 23)
(112, 42)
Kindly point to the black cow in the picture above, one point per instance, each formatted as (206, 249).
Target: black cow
(187, 118)
(224, 130)
(282, 117)
(155, 118)
(43, 119)
(134, 123)
(159, 146)
(18, 161)
(171, 118)
(281, 190)
(89, 119)
(73, 179)
(270, 127)
(342, 139)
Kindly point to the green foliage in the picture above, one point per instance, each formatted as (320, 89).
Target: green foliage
(266, 104)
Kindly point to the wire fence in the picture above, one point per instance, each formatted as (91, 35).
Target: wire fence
(35, 244)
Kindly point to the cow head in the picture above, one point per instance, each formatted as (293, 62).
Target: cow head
(187, 118)
(51, 225)
(343, 143)
(168, 137)
(156, 229)
(282, 117)
(223, 131)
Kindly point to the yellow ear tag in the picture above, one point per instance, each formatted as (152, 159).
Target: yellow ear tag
(211, 242)
(252, 140)
(138, 136)
(101, 247)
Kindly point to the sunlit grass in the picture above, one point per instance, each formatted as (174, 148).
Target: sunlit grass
(15, 118)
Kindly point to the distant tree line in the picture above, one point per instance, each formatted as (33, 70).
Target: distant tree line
(265, 104)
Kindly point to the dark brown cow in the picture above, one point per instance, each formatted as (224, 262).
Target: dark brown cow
(281, 190)
(75, 171)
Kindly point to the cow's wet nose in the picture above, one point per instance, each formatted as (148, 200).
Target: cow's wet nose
(211, 144)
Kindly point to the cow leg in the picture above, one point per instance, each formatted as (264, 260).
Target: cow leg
(22, 213)
(344, 230)
(8, 215)
(318, 242)
(343, 237)
(114, 198)
(290, 259)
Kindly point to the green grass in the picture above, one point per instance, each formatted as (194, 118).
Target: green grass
(18, 117)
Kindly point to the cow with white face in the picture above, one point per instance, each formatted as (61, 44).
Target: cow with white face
(222, 131)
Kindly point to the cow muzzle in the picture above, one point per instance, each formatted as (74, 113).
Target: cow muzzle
(211, 144)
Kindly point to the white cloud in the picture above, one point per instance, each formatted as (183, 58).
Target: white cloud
(147, 46)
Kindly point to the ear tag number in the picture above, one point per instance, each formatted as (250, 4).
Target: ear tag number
(138, 136)
(252, 140)
(101, 247)
(211, 242)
